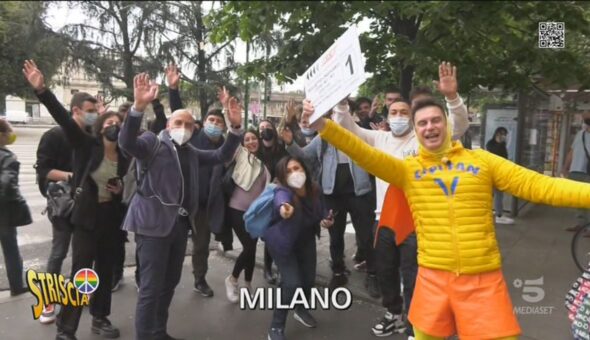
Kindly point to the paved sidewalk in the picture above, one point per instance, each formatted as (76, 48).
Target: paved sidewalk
(536, 247)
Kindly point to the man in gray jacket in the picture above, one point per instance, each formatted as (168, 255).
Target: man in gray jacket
(166, 203)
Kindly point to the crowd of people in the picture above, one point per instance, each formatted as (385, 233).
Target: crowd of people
(419, 202)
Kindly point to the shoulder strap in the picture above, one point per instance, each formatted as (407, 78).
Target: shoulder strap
(83, 179)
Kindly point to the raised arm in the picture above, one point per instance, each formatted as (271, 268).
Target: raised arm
(139, 147)
(343, 118)
(447, 85)
(159, 123)
(535, 187)
(35, 77)
(173, 77)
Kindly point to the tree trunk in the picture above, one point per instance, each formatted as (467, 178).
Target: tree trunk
(407, 27)
(202, 62)
(266, 79)
(405, 80)
(247, 90)
(2, 103)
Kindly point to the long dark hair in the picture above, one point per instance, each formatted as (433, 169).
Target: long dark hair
(255, 133)
(277, 145)
(311, 189)
(501, 129)
(97, 127)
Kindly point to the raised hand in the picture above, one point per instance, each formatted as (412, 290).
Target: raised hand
(286, 210)
(291, 111)
(308, 110)
(234, 112)
(447, 83)
(144, 91)
(223, 97)
(100, 107)
(375, 104)
(34, 75)
(287, 135)
(173, 76)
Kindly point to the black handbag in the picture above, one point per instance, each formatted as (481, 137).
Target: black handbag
(61, 199)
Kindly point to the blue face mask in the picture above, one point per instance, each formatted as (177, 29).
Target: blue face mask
(90, 118)
(307, 132)
(212, 130)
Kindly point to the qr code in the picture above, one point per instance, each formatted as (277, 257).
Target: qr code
(551, 35)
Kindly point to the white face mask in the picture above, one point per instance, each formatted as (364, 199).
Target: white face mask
(399, 125)
(296, 179)
(180, 135)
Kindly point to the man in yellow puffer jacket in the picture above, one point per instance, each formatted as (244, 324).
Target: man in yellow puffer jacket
(460, 288)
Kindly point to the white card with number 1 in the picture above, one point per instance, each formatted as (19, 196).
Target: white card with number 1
(336, 74)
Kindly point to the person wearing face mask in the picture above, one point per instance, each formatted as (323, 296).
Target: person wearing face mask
(98, 166)
(54, 164)
(250, 177)
(497, 146)
(15, 211)
(211, 203)
(400, 142)
(449, 189)
(300, 211)
(577, 167)
(270, 152)
(162, 211)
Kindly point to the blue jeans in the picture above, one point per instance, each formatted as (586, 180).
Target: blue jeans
(12, 258)
(161, 260)
(297, 271)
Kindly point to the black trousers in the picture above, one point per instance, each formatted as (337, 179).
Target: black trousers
(94, 248)
(201, 237)
(60, 244)
(161, 261)
(362, 212)
(392, 259)
(247, 258)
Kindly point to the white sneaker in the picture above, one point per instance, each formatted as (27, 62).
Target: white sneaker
(48, 315)
(231, 290)
(410, 337)
(504, 220)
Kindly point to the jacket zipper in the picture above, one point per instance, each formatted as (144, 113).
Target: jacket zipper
(181, 177)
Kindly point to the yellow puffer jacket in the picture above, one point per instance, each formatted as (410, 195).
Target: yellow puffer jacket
(450, 195)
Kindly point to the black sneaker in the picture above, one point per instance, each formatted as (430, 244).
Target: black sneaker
(372, 286)
(65, 336)
(19, 291)
(168, 337)
(305, 318)
(203, 288)
(276, 334)
(102, 326)
(338, 280)
(389, 324)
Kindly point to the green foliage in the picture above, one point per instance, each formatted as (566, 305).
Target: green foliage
(24, 35)
(494, 44)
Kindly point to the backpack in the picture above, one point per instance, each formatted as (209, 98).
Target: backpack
(258, 217)
(134, 176)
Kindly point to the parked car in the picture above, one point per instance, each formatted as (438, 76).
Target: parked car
(21, 117)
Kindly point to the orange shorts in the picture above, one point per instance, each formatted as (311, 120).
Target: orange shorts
(474, 306)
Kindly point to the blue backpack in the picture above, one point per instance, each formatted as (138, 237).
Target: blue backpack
(259, 215)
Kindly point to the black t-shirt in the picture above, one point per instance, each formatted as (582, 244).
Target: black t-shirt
(53, 153)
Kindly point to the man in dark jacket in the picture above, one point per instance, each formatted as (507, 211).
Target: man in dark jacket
(211, 202)
(54, 163)
(497, 146)
(165, 205)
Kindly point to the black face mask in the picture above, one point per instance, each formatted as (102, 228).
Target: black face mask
(111, 133)
(267, 134)
(587, 121)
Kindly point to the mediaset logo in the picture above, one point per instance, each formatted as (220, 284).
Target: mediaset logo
(271, 298)
(532, 292)
(51, 288)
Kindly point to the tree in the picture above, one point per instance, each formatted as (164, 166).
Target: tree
(109, 44)
(24, 35)
(183, 36)
(493, 43)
